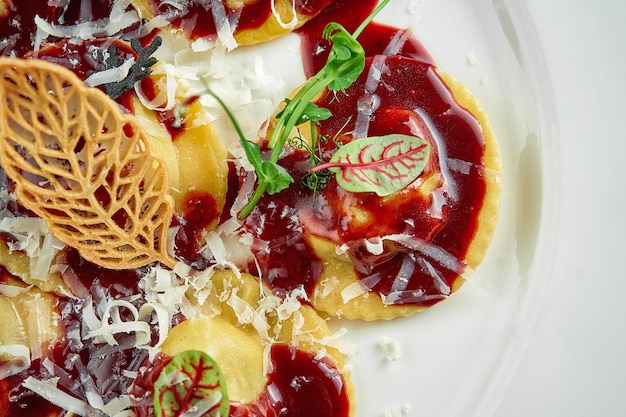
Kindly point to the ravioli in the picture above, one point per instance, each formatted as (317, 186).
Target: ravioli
(245, 327)
(235, 23)
(362, 256)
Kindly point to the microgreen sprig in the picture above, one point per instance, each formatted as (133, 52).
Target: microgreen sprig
(345, 63)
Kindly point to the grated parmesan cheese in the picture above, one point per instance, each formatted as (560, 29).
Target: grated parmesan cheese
(89, 30)
(32, 236)
(20, 360)
(111, 75)
(398, 411)
(392, 349)
(225, 24)
(48, 390)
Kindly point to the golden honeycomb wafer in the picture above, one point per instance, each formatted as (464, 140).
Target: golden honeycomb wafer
(83, 166)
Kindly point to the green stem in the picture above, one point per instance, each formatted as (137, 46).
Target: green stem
(254, 199)
(369, 19)
(280, 139)
(279, 130)
(295, 107)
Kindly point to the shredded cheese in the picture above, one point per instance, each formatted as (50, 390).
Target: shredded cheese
(225, 24)
(20, 360)
(392, 349)
(111, 75)
(294, 17)
(89, 30)
(32, 236)
(48, 390)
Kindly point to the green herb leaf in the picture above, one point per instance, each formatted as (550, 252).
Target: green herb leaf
(276, 177)
(346, 59)
(270, 173)
(311, 113)
(379, 164)
(345, 63)
(191, 383)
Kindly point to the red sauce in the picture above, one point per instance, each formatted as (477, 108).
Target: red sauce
(425, 108)
(198, 22)
(376, 39)
(17, 24)
(199, 211)
(298, 385)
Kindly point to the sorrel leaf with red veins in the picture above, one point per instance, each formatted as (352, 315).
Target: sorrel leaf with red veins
(191, 384)
(379, 164)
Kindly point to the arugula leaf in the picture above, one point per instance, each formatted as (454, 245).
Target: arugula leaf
(191, 383)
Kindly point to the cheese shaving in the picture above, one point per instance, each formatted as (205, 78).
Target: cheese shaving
(112, 324)
(12, 290)
(32, 236)
(20, 360)
(166, 88)
(246, 314)
(392, 349)
(436, 253)
(216, 249)
(395, 45)
(398, 411)
(294, 17)
(374, 245)
(111, 75)
(352, 291)
(225, 24)
(369, 101)
(89, 30)
(48, 390)
(337, 341)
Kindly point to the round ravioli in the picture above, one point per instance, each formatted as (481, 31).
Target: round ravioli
(262, 344)
(360, 255)
(235, 23)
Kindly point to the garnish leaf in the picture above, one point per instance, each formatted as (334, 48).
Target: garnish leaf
(191, 384)
(268, 172)
(311, 113)
(346, 59)
(379, 164)
(276, 176)
(345, 63)
(83, 165)
(138, 71)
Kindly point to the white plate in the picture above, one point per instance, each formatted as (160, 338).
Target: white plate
(458, 357)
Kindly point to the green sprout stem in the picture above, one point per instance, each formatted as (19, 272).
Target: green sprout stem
(296, 107)
(281, 132)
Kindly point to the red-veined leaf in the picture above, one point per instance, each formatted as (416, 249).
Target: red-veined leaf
(191, 384)
(379, 164)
